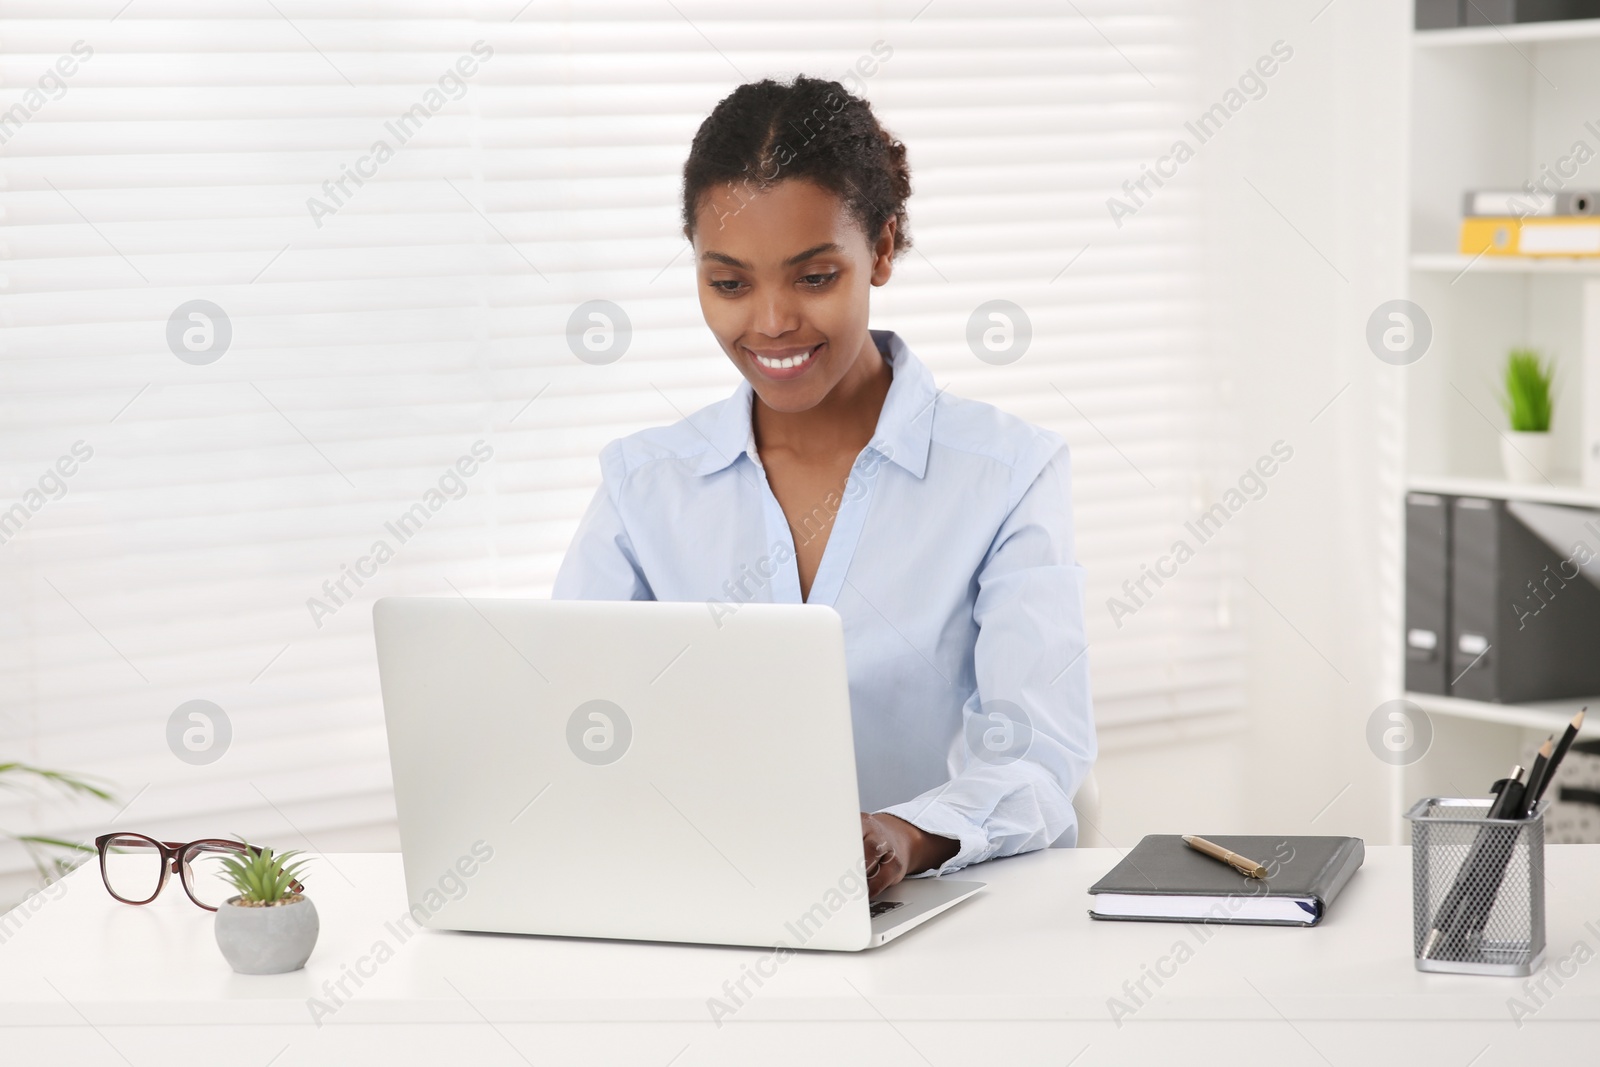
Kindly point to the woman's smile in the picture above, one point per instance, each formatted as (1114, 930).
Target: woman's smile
(782, 364)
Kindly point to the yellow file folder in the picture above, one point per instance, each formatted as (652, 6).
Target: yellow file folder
(1560, 235)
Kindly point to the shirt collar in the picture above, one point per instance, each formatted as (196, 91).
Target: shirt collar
(905, 425)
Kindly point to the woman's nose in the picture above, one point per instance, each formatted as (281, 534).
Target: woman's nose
(775, 315)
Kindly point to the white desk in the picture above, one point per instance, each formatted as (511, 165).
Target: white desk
(1018, 975)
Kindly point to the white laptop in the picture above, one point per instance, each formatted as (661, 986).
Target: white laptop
(632, 770)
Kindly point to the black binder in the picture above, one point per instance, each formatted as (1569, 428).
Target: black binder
(1427, 630)
(1504, 12)
(1438, 14)
(1524, 620)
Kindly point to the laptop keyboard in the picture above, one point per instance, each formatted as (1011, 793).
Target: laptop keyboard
(884, 906)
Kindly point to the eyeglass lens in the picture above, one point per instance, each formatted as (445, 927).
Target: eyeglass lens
(206, 875)
(132, 868)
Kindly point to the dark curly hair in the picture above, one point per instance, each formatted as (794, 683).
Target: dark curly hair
(766, 131)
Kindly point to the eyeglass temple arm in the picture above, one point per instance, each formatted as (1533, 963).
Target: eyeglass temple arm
(294, 883)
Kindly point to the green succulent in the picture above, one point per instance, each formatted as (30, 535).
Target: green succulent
(262, 877)
(1527, 400)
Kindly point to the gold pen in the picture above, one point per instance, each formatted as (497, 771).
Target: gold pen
(1247, 867)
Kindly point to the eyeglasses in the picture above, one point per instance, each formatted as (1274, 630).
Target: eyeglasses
(135, 868)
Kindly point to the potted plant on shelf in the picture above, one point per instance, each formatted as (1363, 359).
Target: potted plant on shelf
(270, 926)
(1528, 403)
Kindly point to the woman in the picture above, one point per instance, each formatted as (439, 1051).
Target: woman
(938, 528)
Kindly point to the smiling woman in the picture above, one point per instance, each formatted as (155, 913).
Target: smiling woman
(794, 198)
(836, 457)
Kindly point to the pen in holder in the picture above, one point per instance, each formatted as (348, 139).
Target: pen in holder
(1477, 888)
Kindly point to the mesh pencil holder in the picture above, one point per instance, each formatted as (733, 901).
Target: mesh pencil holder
(1477, 888)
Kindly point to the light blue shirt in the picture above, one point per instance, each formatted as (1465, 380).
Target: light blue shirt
(950, 563)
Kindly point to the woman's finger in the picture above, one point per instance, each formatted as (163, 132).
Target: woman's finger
(885, 856)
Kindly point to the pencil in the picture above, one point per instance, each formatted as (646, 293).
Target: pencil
(1449, 921)
(1569, 735)
(1541, 765)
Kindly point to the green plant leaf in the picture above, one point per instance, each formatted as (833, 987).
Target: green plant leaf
(261, 875)
(67, 783)
(1526, 393)
(40, 853)
(25, 778)
(56, 842)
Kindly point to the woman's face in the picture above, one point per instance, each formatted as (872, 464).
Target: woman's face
(783, 277)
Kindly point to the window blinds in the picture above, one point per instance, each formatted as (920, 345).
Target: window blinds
(284, 282)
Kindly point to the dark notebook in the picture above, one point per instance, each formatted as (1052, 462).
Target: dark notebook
(1164, 880)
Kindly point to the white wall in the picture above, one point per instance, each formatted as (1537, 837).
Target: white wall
(1306, 187)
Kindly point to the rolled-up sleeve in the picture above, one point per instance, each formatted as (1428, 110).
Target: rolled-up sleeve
(601, 563)
(1028, 740)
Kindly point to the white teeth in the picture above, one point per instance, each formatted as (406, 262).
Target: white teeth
(781, 364)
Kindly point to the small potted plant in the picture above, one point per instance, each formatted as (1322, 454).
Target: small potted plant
(1528, 403)
(270, 926)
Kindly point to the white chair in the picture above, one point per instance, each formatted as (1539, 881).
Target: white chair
(1087, 804)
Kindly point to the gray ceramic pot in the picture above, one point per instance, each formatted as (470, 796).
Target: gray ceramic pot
(268, 940)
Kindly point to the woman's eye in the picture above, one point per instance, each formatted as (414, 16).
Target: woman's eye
(726, 285)
(817, 281)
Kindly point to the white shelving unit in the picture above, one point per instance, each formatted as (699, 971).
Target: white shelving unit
(1543, 718)
(1559, 492)
(1526, 33)
(1493, 107)
(1456, 264)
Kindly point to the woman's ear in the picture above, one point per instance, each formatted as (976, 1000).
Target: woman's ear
(883, 252)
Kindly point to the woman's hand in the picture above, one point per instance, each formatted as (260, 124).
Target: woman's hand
(894, 849)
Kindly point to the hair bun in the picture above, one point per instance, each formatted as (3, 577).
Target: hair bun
(812, 128)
